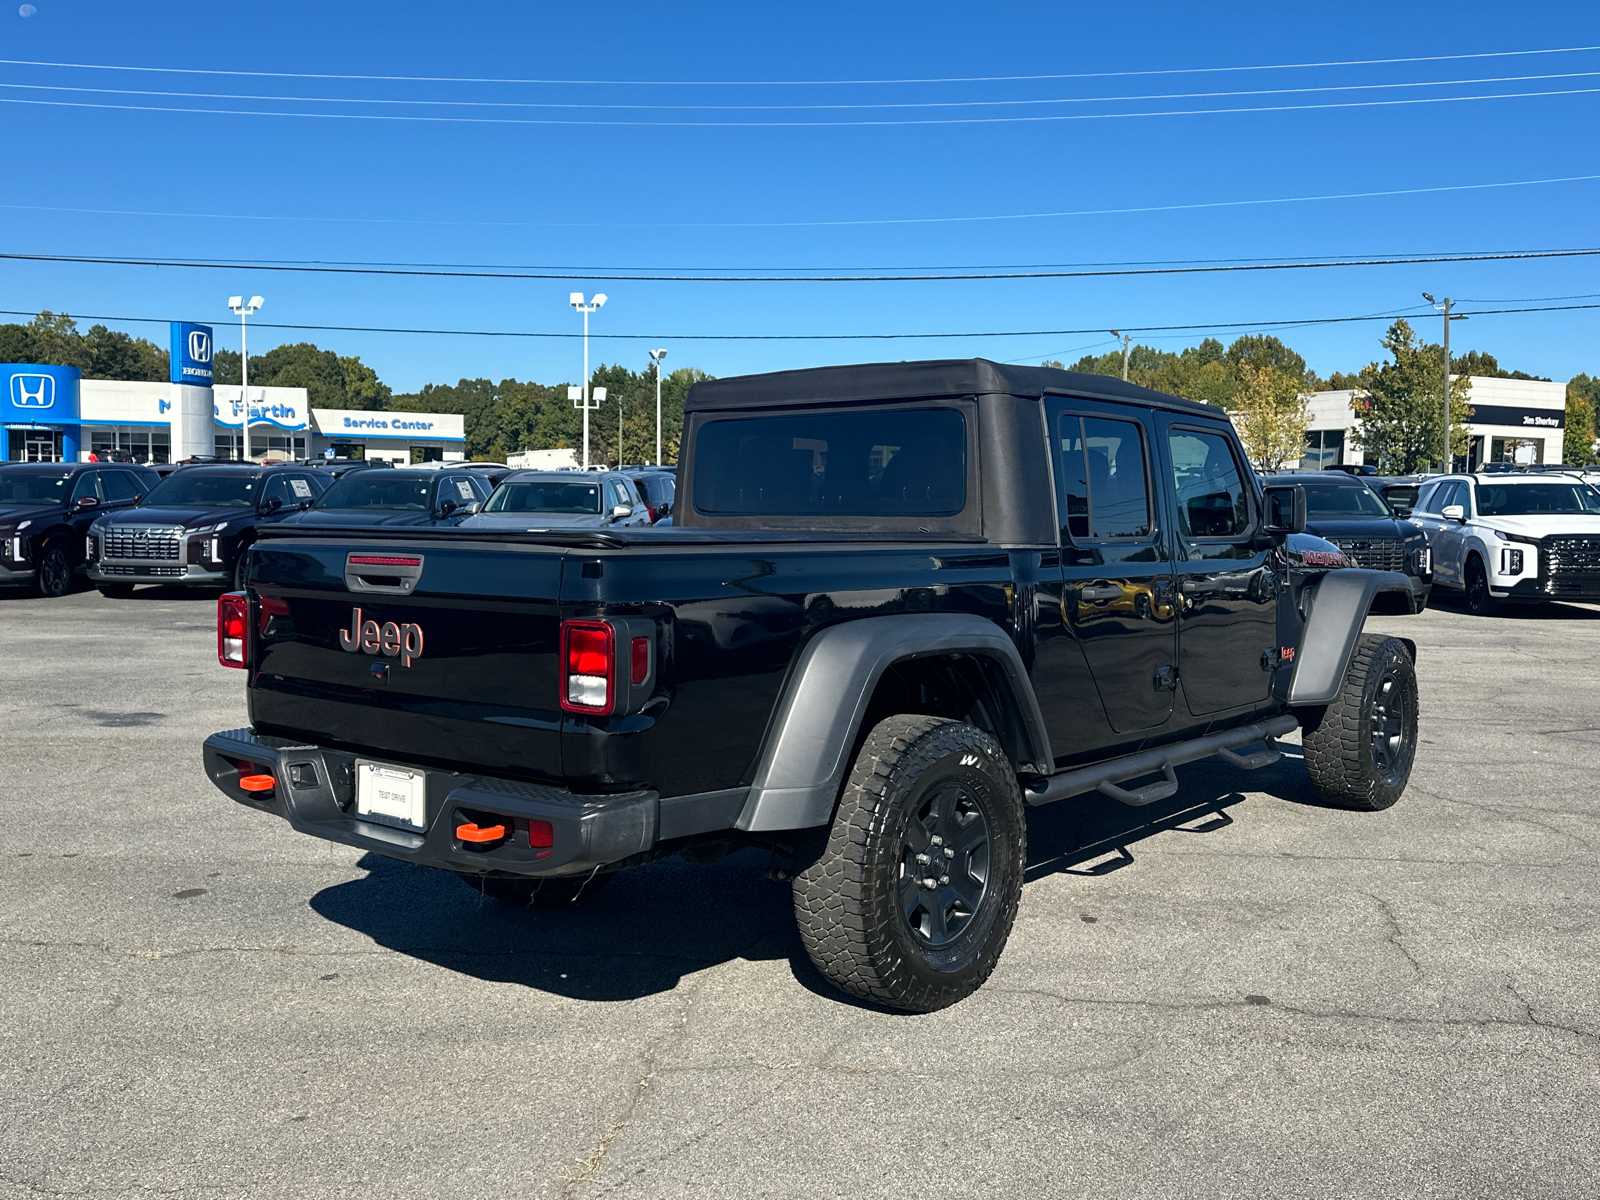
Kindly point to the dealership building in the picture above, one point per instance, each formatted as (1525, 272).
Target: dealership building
(1513, 420)
(52, 414)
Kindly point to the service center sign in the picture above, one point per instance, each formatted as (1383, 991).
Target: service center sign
(191, 354)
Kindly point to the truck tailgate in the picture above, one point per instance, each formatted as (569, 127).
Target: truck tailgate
(447, 654)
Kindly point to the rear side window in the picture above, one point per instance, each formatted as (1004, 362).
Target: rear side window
(895, 462)
(1105, 488)
(1212, 500)
(119, 485)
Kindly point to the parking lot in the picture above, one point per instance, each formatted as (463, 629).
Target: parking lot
(1231, 993)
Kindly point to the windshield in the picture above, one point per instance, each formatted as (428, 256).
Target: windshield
(1351, 502)
(545, 496)
(1530, 499)
(33, 487)
(378, 489)
(898, 462)
(203, 490)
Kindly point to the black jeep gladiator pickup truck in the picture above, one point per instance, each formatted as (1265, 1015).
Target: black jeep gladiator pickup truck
(901, 603)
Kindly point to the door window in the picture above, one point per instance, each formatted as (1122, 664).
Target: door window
(1105, 490)
(277, 488)
(1213, 502)
(88, 485)
(119, 486)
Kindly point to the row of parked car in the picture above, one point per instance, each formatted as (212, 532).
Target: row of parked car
(124, 524)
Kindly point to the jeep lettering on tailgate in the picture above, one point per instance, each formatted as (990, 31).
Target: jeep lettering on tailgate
(389, 639)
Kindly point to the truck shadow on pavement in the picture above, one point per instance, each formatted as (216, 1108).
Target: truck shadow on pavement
(641, 934)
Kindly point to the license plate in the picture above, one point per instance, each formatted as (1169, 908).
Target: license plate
(392, 795)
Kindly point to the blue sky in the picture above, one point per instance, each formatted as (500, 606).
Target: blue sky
(655, 196)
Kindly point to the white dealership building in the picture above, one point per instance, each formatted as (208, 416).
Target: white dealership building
(1513, 420)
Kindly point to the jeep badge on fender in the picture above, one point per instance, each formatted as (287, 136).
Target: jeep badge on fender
(392, 641)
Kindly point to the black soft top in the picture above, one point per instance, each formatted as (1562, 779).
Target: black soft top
(864, 382)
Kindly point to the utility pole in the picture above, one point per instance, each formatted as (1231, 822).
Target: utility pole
(658, 355)
(1446, 460)
(576, 300)
(1125, 340)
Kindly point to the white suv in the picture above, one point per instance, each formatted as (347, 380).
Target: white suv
(1523, 538)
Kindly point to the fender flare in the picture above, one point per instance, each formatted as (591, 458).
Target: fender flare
(1339, 609)
(804, 758)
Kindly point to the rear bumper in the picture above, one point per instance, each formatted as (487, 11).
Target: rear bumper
(315, 793)
(171, 574)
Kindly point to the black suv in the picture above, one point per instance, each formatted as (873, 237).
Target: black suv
(194, 527)
(45, 509)
(657, 488)
(1351, 514)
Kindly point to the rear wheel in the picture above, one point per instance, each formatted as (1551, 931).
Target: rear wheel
(536, 893)
(52, 575)
(912, 900)
(1479, 601)
(1359, 750)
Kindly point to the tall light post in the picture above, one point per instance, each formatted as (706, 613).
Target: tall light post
(1446, 461)
(1125, 340)
(595, 305)
(658, 355)
(238, 304)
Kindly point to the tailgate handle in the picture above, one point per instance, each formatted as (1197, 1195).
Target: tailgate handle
(395, 574)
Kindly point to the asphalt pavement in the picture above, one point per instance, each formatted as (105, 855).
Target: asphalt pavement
(1235, 993)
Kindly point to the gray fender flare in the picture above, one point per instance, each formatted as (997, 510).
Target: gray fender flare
(803, 762)
(1338, 615)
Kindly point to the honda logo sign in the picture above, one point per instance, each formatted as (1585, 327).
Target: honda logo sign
(192, 349)
(33, 391)
(200, 345)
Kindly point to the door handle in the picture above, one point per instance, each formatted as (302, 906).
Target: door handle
(1098, 593)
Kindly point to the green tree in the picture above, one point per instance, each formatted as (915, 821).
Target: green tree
(330, 380)
(1398, 412)
(1271, 413)
(1583, 401)
(57, 342)
(116, 355)
(1475, 362)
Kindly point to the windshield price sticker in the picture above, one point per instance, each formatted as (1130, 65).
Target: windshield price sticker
(464, 488)
(302, 489)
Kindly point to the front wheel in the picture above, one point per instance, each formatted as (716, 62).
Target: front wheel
(1479, 601)
(912, 900)
(53, 575)
(1359, 750)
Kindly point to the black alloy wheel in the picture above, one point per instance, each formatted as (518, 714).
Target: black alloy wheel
(944, 865)
(1391, 751)
(53, 575)
(1359, 749)
(1479, 601)
(911, 900)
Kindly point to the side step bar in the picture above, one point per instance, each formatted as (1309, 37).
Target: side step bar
(1104, 777)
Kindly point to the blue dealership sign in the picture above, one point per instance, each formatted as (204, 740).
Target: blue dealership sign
(39, 395)
(191, 354)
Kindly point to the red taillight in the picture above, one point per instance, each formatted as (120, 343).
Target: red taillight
(588, 666)
(233, 629)
(641, 661)
(651, 509)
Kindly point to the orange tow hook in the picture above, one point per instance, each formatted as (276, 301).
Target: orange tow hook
(473, 833)
(257, 783)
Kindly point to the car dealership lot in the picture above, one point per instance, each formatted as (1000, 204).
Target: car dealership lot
(1227, 993)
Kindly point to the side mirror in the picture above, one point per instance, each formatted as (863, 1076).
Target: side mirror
(620, 512)
(473, 509)
(85, 502)
(1453, 512)
(1285, 510)
(446, 507)
(270, 505)
(1401, 511)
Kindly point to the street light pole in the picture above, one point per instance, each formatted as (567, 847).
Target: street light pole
(576, 300)
(658, 355)
(1125, 340)
(238, 305)
(1445, 460)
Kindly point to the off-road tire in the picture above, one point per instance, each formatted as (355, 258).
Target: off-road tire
(1347, 765)
(537, 893)
(1475, 581)
(241, 569)
(115, 591)
(52, 574)
(849, 903)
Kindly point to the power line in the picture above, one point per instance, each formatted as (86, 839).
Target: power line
(1033, 216)
(1352, 62)
(888, 104)
(914, 121)
(1105, 272)
(1195, 327)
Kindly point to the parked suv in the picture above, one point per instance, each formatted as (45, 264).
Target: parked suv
(398, 497)
(1513, 537)
(194, 527)
(1352, 515)
(657, 487)
(45, 510)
